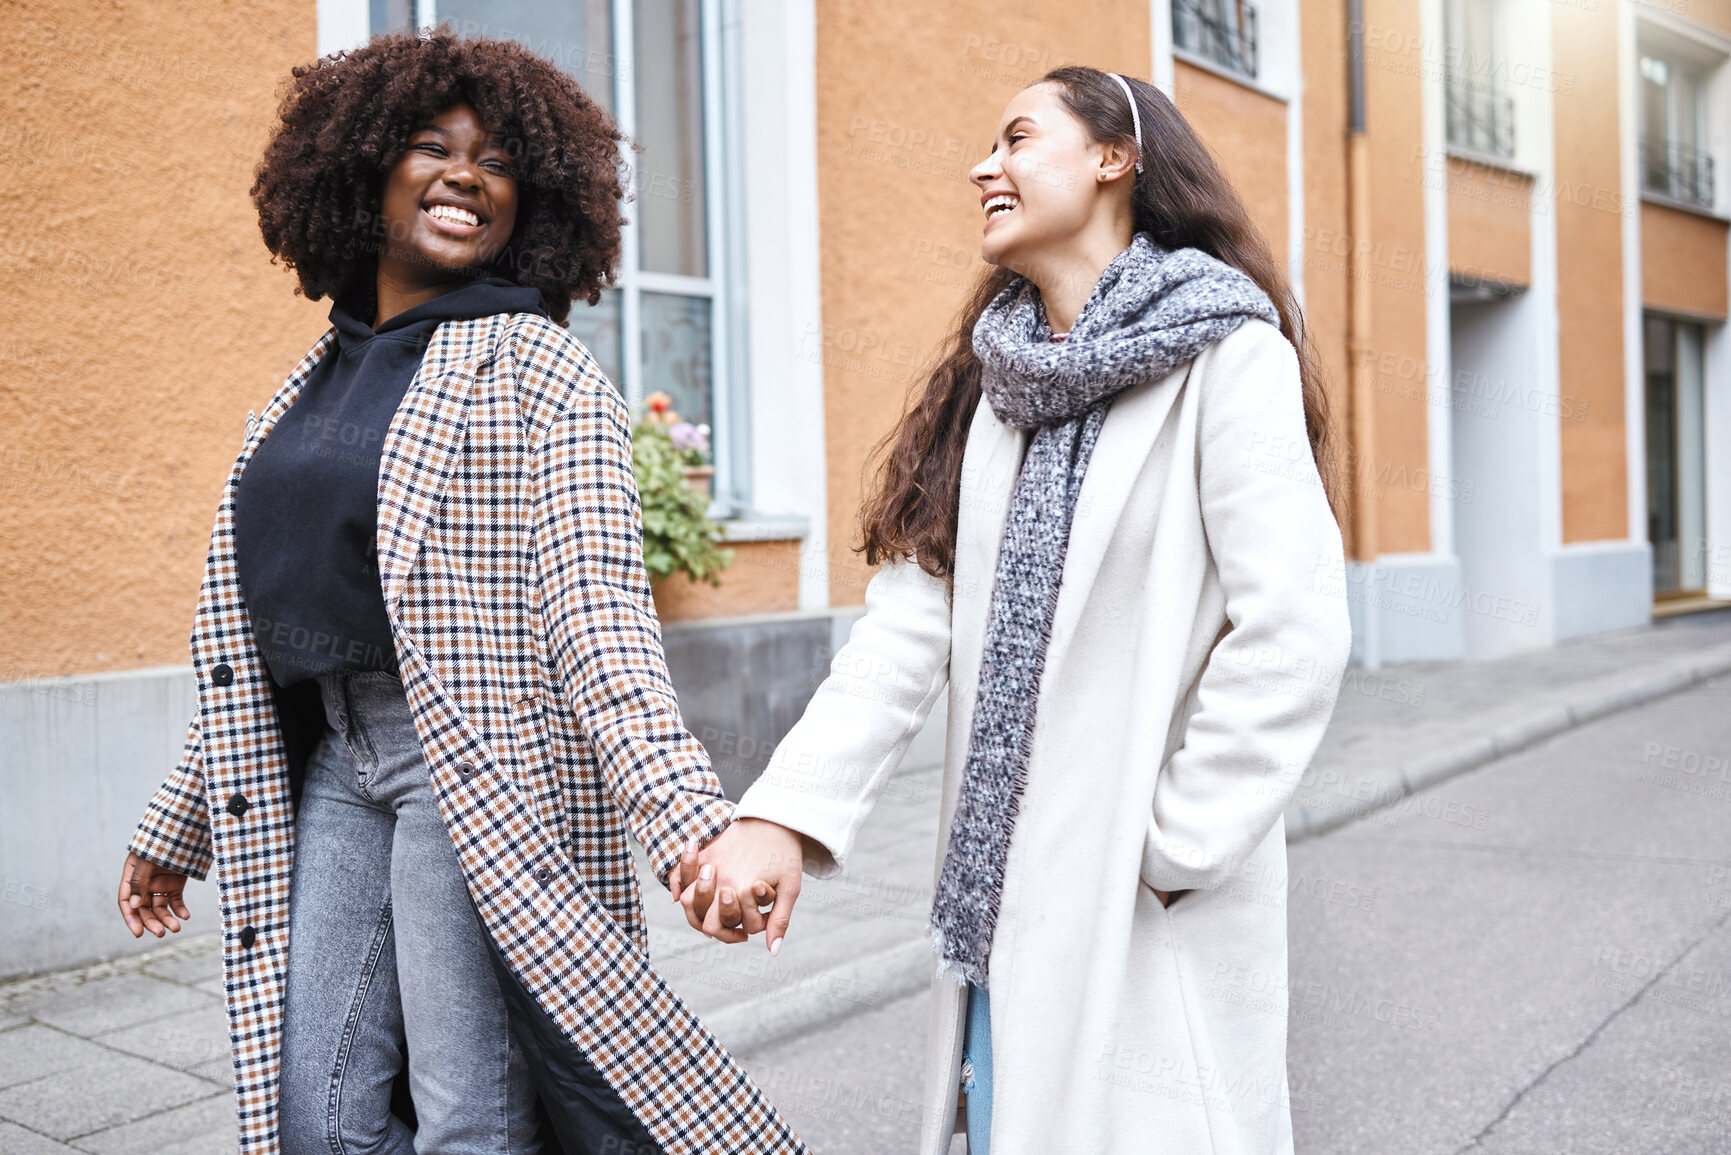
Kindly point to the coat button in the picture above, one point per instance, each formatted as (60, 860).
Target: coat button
(465, 770)
(222, 673)
(247, 937)
(544, 875)
(238, 805)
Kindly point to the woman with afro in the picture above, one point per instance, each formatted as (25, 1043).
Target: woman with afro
(432, 693)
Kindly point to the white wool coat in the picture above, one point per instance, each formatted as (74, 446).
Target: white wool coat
(1197, 648)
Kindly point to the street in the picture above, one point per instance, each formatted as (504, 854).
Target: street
(1534, 958)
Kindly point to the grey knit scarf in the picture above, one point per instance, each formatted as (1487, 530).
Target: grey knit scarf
(1152, 310)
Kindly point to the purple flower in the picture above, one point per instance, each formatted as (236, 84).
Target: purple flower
(689, 438)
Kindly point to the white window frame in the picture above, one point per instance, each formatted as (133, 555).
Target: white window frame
(1706, 54)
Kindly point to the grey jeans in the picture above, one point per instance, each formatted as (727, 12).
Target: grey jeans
(386, 952)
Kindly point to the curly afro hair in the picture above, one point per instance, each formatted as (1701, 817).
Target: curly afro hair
(346, 119)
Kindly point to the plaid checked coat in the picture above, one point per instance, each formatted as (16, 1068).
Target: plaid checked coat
(510, 557)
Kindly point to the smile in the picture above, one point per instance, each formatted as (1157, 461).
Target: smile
(1000, 204)
(459, 219)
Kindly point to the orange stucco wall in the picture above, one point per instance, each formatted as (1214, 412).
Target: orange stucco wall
(1490, 223)
(143, 316)
(1682, 262)
(763, 579)
(1590, 275)
(1246, 131)
(1394, 266)
(908, 96)
(1715, 14)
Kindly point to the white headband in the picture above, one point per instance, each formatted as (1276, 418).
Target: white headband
(1135, 116)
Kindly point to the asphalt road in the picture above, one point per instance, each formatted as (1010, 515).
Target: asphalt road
(1534, 958)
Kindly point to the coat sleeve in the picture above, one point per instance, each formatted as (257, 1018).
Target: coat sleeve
(175, 830)
(1265, 693)
(827, 773)
(602, 632)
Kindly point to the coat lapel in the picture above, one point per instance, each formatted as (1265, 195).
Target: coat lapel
(1132, 425)
(423, 445)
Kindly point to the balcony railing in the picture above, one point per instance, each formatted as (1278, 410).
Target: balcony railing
(1677, 171)
(1220, 31)
(1481, 119)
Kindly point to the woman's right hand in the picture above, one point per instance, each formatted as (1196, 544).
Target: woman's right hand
(755, 859)
(151, 897)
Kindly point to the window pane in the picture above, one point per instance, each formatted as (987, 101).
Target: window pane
(390, 15)
(598, 328)
(670, 188)
(677, 353)
(577, 35)
(1660, 344)
(1655, 142)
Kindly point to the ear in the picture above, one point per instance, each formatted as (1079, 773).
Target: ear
(1117, 159)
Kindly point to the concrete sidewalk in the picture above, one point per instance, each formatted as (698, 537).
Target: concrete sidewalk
(132, 1055)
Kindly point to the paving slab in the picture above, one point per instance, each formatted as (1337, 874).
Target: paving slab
(198, 961)
(15, 1140)
(37, 1051)
(1407, 725)
(205, 1127)
(111, 1090)
(125, 1000)
(187, 1042)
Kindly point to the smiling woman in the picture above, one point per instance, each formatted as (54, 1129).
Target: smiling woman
(349, 120)
(432, 694)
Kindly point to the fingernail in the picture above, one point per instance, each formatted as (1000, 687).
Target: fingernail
(775, 947)
(727, 896)
(707, 873)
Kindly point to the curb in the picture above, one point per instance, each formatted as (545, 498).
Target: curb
(1603, 698)
(823, 998)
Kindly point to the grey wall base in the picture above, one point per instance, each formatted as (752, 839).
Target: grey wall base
(79, 757)
(1602, 586)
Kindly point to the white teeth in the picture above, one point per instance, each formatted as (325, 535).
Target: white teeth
(1001, 203)
(453, 214)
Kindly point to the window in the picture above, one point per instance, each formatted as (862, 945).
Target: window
(1676, 455)
(1222, 32)
(667, 325)
(1673, 132)
(1480, 117)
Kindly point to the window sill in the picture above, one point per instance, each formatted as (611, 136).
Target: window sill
(1489, 160)
(1196, 60)
(764, 527)
(1683, 206)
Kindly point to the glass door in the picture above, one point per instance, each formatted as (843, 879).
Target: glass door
(1676, 458)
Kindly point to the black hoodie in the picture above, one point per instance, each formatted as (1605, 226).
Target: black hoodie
(306, 508)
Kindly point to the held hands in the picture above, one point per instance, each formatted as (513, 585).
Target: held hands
(150, 897)
(752, 865)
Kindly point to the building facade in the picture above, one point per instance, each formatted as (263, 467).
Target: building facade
(1505, 218)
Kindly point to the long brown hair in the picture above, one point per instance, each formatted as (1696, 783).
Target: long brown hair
(1181, 200)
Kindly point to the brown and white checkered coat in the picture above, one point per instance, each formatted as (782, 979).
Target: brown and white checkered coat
(510, 555)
